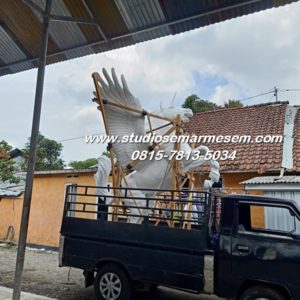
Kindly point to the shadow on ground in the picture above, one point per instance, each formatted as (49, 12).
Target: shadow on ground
(42, 276)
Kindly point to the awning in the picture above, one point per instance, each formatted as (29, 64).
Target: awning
(273, 183)
(83, 27)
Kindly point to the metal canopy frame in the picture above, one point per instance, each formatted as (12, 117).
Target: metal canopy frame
(59, 18)
(105, 38)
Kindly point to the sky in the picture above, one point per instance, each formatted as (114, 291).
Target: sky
(235, 59)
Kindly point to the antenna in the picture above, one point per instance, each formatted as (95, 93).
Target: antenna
(161, 106)
(172, 102)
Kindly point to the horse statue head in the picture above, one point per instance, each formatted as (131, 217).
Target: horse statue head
(173, 111)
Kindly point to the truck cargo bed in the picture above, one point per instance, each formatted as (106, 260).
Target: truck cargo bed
(151, 252)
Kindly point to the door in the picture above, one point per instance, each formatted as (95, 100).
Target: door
(265, 251)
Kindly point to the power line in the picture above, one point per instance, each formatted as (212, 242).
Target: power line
(274, 91)
(78, 138)
(290, 90)
(262, 94)
(72, 139)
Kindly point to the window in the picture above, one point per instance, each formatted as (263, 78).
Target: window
(266, 220)
(280, 219)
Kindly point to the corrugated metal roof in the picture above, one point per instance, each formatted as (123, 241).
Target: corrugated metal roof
(66, 171)
(12, 189)
(65, 35)
(15, 190)
(272, 180)
(140, 14)
(108, 17)
(78, 9)
(9, 193)
(119, 24)
(15, 53)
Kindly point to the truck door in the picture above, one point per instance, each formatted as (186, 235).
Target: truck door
(265, 251)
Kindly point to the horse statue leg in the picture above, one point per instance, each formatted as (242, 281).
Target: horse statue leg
(189, 165)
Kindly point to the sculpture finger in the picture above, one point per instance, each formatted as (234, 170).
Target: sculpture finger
(125, 88)
(108, 79)
(104, 88)
(117, 83)
(112, 88)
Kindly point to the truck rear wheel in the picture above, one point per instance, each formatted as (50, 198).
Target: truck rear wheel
(112, 283)
(261, 293)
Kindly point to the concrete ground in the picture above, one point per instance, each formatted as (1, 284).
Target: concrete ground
(6, 294)
(42, 276)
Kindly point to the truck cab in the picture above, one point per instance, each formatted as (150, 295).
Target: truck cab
(258, 253)
(236, 247)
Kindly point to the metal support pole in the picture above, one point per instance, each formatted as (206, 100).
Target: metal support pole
(32, 153)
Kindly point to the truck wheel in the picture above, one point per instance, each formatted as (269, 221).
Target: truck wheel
(112, 283)
(261, 293)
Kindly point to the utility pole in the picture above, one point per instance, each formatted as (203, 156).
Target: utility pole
(276, 93)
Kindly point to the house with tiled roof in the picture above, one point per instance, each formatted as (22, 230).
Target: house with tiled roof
(272, 146)
(8, 189)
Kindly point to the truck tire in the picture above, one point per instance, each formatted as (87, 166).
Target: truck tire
(261, 292)
(112, 283)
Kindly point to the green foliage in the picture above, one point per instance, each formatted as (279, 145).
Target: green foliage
(231, 103)
(198, 105)
(84, 164)
(5, 147)
(7, 165)
(47, 155)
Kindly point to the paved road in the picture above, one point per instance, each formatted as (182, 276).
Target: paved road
(42, 276)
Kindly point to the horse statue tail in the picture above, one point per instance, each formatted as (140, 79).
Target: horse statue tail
(101, 177)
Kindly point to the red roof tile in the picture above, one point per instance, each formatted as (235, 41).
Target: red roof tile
(263, 119)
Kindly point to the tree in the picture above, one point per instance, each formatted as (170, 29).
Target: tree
(7, 165)
(199, 105)
(231, 103)
(84, 164)
(47, 154)
(4, 149)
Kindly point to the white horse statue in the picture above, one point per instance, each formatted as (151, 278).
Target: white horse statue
(146, 174)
